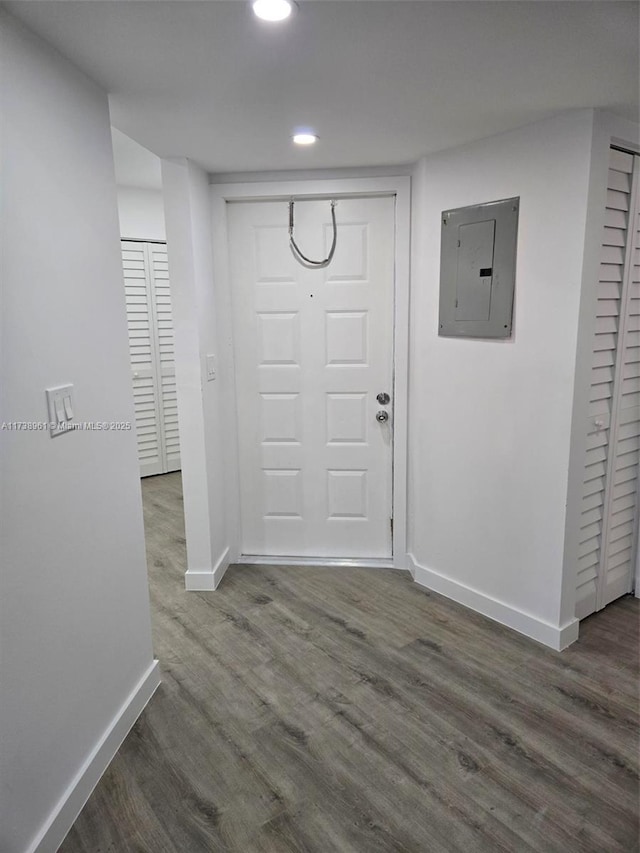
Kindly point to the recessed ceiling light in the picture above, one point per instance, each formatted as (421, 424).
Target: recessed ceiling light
(304, 138)
(272, 10)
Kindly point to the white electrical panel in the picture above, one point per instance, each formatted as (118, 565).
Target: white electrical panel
(477, 269)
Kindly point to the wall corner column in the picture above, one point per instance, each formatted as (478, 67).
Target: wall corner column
(188, 224)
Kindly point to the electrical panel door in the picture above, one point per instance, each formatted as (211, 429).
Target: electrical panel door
(477, 270)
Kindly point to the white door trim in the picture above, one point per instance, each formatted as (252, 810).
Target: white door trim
(400, 187)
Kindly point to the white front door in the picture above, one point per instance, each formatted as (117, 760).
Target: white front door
(313, 349)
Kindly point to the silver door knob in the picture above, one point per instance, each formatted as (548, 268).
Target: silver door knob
(383, 398)
(381, 416)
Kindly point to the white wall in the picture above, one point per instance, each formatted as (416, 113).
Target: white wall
(203, 407)
(491, 421)
(75, 631)
(141, 213)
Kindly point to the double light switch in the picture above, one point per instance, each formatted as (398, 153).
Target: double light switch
(61, 409)
(211, 367)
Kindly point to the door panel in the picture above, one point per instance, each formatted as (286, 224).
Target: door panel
(165, 355)
(608, 534)
(313, 348)
(142, 346)
(149, 319)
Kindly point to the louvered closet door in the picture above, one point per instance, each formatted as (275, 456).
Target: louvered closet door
(620, 533)
(142, 351)
(165, 354)
(151, 350)
(606, 557)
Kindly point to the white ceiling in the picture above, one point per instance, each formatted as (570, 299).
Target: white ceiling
(381, 82)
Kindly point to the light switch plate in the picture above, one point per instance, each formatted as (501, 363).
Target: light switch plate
(211, 368)
(61, 407)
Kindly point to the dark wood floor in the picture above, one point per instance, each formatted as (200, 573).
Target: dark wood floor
(350, 711)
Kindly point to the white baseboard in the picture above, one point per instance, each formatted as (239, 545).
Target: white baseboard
(205, 581)
(556, 637)
(567, 634)
(78, 792)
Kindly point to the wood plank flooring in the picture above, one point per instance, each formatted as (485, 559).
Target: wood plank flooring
(350, 711)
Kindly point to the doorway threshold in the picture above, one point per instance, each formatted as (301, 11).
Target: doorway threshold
(317, 562)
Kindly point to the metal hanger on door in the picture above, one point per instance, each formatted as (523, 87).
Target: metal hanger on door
(298, 255)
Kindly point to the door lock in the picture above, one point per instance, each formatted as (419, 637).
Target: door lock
(383, 398)
(382, 416)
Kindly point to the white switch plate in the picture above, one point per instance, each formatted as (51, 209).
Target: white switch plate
(211, 368)
(61, 406)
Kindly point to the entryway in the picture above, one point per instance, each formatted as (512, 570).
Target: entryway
(314, 356)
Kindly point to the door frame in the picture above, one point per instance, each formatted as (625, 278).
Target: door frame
(398, 187)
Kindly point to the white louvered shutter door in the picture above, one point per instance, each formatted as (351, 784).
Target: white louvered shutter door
(165, 354)
(138, 293)
(620, 536)
(608, 501)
